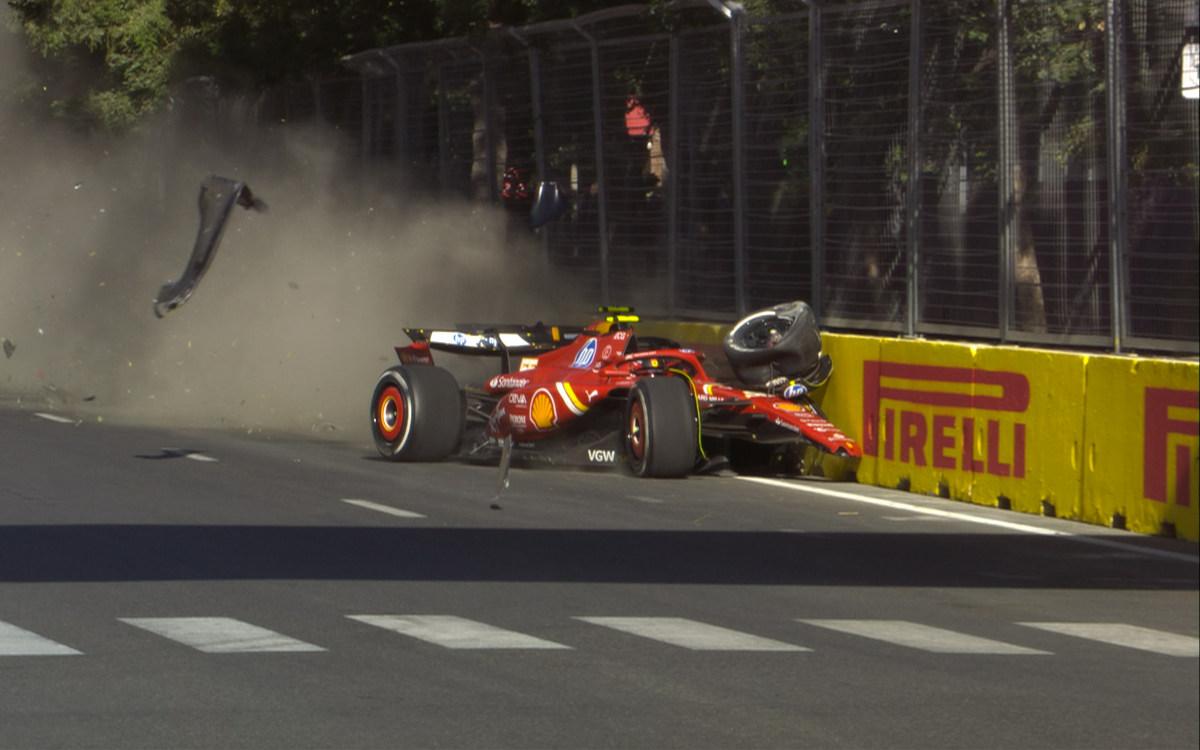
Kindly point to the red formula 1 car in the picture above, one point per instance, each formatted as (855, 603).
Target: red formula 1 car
(601, 395)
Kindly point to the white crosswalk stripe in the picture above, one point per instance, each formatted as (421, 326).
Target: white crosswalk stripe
(1130, 636)
(690, 634)
(16, 641)
(456, 632)
(923, 637)
(219, 635)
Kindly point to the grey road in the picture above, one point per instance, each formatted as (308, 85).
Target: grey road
(196, 588)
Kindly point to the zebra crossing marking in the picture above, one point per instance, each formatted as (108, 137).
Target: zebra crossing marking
(219, 635)
(16, 641)
(923, 637)
(690, 634)
(1129, 636)
(454, 632)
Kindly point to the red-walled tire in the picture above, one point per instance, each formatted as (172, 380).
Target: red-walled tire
(417, 413)
(661, 428)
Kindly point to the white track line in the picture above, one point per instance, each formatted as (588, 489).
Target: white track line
(398, 512)
(16, 641)
(219, 635)
(1129, 636)
(55, 418)
(453, 632)
(970, 518)
(923, 637)
(696, 636)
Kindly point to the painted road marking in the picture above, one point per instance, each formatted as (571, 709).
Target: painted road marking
(16, 641)
(382, 508)
(200, 457)
(1130, 636)
(969, 518)
(219, 635)
(646, 499)
(55, 418)
(923, 637)
(456, 632)
(689, 634)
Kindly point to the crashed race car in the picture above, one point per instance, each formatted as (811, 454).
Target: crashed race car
(601, 395)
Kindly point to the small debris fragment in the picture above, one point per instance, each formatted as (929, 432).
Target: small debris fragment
(9, 348)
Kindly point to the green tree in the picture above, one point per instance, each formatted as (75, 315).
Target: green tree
(109, 63)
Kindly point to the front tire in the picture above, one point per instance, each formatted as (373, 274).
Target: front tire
(417, 413)
(661, 428)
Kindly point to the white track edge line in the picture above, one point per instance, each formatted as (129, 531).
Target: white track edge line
(54, 417)
(398, 512)
(967, 518)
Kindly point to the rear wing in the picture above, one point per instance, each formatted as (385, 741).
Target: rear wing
(485, 341)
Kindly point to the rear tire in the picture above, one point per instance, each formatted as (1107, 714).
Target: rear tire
(661, 428)
(417, 413)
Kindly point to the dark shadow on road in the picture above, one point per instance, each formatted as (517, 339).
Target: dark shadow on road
(45, 553)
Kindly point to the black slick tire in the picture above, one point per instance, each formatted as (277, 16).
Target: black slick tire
(661, 428)
(417, 413)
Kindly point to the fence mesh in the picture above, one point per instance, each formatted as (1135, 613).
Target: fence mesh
(1163, 154)
(928, 168)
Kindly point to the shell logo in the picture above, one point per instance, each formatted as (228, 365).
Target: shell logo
(541, 410)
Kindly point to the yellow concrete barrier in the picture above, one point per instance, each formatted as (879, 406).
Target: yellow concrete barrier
(1109, 440)
(1141, 445)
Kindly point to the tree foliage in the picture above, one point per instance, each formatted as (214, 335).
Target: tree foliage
(111, 62)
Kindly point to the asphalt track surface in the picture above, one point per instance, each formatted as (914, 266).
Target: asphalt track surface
(188, 588)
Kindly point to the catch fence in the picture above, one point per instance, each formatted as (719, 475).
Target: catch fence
(1004, 170)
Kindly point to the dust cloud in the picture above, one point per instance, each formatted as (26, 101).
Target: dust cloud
(302, 305)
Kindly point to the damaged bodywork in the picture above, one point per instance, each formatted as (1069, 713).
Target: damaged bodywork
(218, 196)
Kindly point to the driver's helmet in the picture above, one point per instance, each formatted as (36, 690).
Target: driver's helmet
(783, 340)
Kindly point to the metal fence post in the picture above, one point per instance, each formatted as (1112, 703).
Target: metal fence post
(1114, 96)
(489, 127)
(913, 198)
(539, 132)
(738, 113)
(673, 130)
(1006, 109)
(367, 126)
(443, 130)
(816, 155)
(601, 185)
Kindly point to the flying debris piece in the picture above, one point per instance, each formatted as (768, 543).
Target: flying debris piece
(218, 196)
(9, 348)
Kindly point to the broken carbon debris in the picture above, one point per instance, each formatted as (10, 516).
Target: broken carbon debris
(218, 196)
(9, 348)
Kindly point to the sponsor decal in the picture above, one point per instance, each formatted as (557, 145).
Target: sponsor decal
(606, 353)
(528, 363)
(517, 421)
(542, 411)
(569, 398)
(585, 356)
(785, 424)
(459, 339)
(503, 382)
(1161, 430)
(787, 406)
(946, 440)
(601, 455)
(620, 335)
(517, 397)
(488, 342)
(591, 396)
